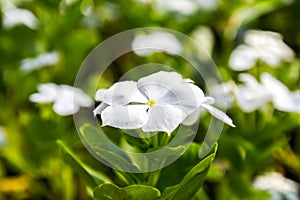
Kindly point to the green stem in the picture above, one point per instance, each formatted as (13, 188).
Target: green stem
(153, 177)
(157, 140)
(164, 139)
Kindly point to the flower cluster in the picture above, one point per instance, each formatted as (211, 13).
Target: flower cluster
(158, 102)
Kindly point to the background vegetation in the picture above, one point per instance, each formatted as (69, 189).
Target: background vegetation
(31, 162)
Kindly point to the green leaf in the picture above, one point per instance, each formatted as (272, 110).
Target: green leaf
(180, 167)
(108, 191)
(106, 151)
(76, 164)
(192, 181)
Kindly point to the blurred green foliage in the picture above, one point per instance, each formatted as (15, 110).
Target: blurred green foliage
(31, 164)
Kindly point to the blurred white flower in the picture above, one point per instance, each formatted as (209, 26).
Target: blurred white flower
(254, 95)
(66, 99)
(278, 186)
(144, 45)
(260, 45)
(42, 60)
(223, 94)
(158, 102)
(182, 6)
(185, 7)
(207, 5)
(13, 16)
(3, 139)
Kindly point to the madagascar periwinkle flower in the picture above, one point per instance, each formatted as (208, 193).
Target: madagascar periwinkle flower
(66, 100)
(253, 95)
(13, 16)
(266, 46)
(40, 61)
(157, 102)
(277, 185)
(144, 45)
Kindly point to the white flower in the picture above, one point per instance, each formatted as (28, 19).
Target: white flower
(144, 45)
(39, 61)
(254, 95)
(13, 16)
(260, 45)
(158, 102)
(207, 5)
(185, 7)
(3, 140)
(278, 186)
(223, 93)
(66, 99)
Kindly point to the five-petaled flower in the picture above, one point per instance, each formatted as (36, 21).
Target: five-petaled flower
(158, 102)
(66, 100)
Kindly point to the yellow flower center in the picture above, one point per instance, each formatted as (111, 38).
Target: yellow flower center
(151, 102)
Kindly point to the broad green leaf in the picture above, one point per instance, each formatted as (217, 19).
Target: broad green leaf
(79, 167)
(180, 167)
(105, 150)
(192, 181)
(109, 191)
(109, 153)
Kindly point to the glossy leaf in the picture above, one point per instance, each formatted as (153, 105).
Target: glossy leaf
(192, 181)
(108, 191)
(76, 164)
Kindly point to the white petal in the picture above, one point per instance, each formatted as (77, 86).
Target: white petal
(16, 16)
(243, 58)
(223, 94)
(47, 93)
(184, 7)
(99, 108)
(81, 99)
(192, 118)
(249, 80)
(218, 114)
(282, 98)
(125, 117)
(289, 103)
(273, 85)
(269, 46)
(276, 182)
(156, 85)
(250, 99)
(138, 97)
(42, 60)
(164, 118)
(100, 95)
(120, 93)
(64, 108)
(187, 96)
(252, 95)
(68, 94)
(144, 45)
